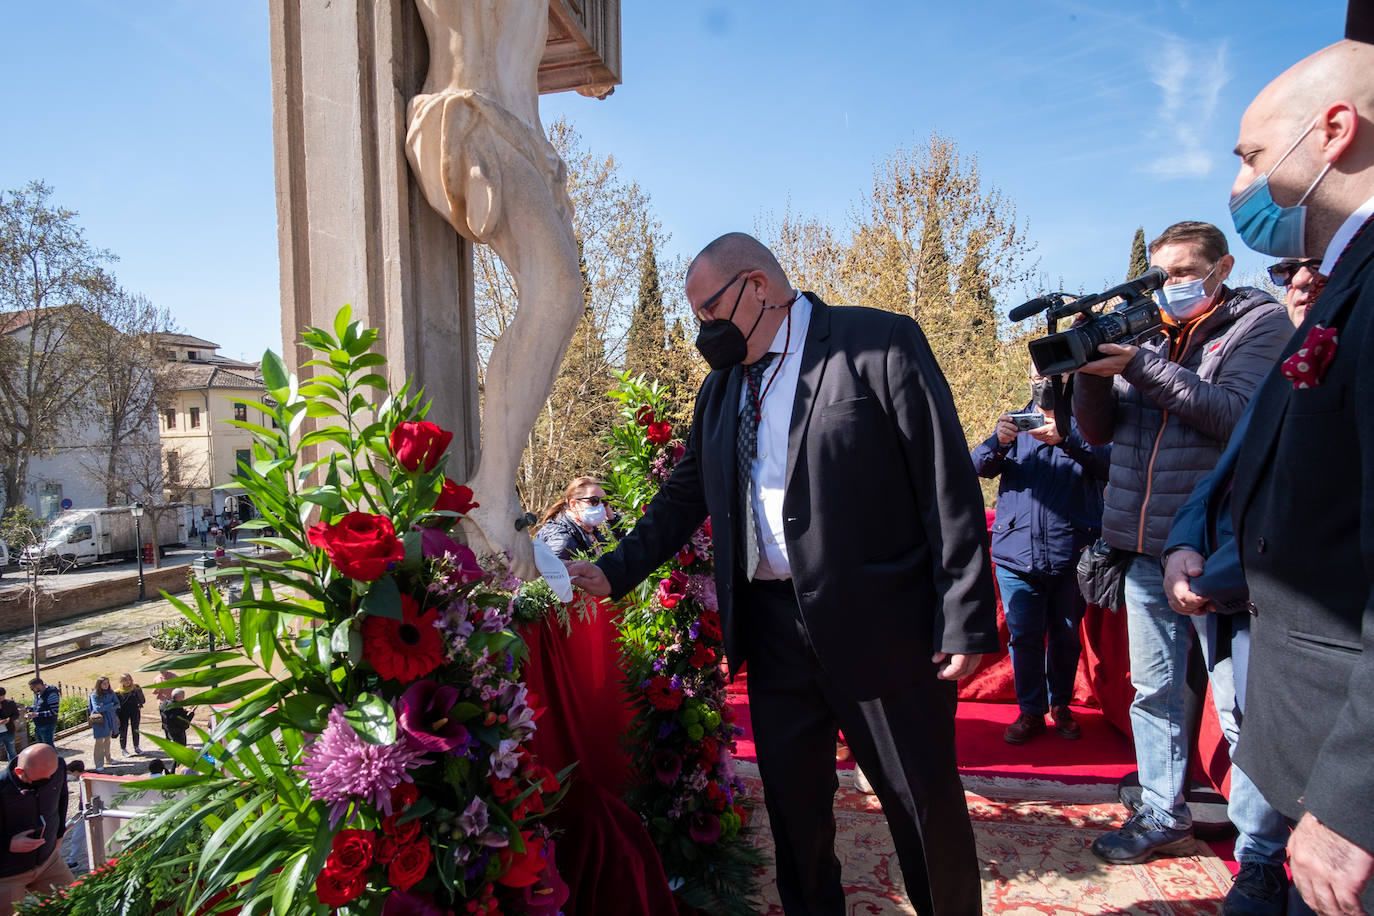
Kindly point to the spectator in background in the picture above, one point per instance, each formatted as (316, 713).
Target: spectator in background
(33, 811)
(9, 723)
(576, 524)
(104, 709)
(43, 713)
(130, 713)
(176, 718)
(1302, 282)
(1049, 507)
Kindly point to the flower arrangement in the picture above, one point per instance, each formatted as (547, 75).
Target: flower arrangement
(377, 762)
(682, 735)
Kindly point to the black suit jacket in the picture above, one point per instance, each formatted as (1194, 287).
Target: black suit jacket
(883, 516)
(1303, 506)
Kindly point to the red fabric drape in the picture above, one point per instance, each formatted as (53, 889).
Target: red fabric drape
(604, 854)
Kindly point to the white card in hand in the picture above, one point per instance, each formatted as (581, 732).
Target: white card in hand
(553, 570)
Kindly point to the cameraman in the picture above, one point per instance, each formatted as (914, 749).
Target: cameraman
(1168, 407)
(1049, 507)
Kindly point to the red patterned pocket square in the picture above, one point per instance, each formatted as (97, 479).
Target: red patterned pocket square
(1306, 367)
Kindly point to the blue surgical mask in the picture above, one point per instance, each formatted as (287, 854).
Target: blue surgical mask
(1263, 224)
(1185, 301)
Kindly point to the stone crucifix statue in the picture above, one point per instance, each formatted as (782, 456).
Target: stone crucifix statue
(481, 156)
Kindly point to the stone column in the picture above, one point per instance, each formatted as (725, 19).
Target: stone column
(353, 226)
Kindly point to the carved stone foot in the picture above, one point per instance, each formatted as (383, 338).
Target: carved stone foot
(490, 529)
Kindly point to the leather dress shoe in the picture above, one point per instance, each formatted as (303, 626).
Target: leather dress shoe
(1064, 723)
(1140, 839)
(1260, 889)
(1026, 726)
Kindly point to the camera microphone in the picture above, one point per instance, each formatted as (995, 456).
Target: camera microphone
(1150, 280)
(1035, 306)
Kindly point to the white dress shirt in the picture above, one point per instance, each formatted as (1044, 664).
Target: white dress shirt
(1352, 224)
(769, 469)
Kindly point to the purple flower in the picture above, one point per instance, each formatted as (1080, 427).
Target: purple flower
(425, 716)
(704, 827)
(473, 820)
(505, 758)
(667, 766)
(434, 543)
(403, 903)
(666, 728)
(340, 766)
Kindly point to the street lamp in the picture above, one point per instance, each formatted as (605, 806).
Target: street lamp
(137, 511)
(203, 569)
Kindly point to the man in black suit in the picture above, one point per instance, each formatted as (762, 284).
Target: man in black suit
(1303, 495)
(853, 575)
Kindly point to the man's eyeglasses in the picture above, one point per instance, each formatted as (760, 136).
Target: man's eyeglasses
(592, 500)
(703, 314)
(1282, 272)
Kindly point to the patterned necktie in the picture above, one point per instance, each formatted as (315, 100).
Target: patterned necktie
(746, 447)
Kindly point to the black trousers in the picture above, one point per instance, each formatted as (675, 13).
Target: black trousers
(903, 740)
(132, 720)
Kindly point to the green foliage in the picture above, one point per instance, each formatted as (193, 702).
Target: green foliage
(683, 784)
(72, 710)
(181, 636)
(644, 347)
(20, 527)
(1140, 258)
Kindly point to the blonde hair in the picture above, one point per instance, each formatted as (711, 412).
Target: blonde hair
(577, 484)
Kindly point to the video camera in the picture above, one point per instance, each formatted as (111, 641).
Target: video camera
(1067, 351)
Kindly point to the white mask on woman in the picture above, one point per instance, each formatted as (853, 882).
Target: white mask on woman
(592, 516)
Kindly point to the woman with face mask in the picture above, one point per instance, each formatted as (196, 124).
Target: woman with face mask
(576, 524)
(104, 709)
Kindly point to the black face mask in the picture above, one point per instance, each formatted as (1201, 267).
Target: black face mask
(1042, 394)
(721, 343)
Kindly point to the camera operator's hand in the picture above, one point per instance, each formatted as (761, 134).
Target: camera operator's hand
(1117, 356)
(1180, 569)
(1006, 429)
(1049, 433)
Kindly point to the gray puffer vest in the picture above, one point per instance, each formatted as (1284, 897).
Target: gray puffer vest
(1170, 411)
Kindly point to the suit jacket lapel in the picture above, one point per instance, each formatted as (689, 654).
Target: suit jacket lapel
(1272, 397)
(813, 363)
(729, 432)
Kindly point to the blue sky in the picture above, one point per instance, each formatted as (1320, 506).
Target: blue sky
(153, 120)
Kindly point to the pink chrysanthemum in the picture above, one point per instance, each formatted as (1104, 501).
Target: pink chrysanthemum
(340, 766)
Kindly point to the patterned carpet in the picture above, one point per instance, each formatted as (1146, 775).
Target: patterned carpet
(1033, 838)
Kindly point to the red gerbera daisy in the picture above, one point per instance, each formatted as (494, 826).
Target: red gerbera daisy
(662, 694)
(403, 650)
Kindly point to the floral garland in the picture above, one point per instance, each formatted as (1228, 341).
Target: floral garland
(377, 763)
(681, 739)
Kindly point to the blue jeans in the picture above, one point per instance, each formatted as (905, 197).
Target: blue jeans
(1159, 644)
(1041, 609)
(7, 740)
(45, 733)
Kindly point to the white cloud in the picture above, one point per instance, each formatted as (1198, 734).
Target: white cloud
(1190, 76)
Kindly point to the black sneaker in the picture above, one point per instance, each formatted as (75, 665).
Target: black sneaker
(1260, 889)
(1140, 839)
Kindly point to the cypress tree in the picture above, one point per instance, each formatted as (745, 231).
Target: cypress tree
(1140, 259)
(645, 344)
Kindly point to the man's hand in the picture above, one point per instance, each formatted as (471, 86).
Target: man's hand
(955, 666)
(1049, 433)
(1180, 569)
(1006, 429)
(1115, 358)
(589, 578)
(1329, 870)
(22, 842)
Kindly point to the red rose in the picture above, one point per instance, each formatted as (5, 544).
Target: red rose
(523, 868)
(532, 804)
(352, 851)
(545, 778)
(336, 888)
(702, 656)
(410, 864)
(662, 694)
(706, 526)
(644, 415)
(715, 796)
(404, 833)
(710, 625)
(403, 795)
(672, 589)
(360, 545)
(659, 433)
(417, 444)
(387, 847)
(455, 497)
(709, 754)
(685, 556)
(504, 789)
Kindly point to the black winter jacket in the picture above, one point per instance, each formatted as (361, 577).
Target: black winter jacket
(20, 808)
(1170, 412)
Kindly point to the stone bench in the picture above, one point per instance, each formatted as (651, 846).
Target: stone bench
(79, 639)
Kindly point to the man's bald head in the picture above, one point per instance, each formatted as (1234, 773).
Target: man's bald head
(35, 762)
(736, 252)
(1330, 95)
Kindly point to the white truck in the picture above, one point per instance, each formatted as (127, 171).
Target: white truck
(78, 537)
